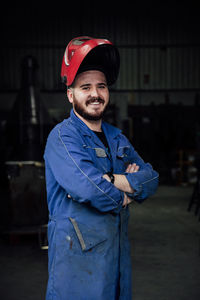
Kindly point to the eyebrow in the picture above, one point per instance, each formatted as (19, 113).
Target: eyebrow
(88, 84)
(85, 85)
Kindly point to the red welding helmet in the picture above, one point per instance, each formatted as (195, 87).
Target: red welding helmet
(86, 53)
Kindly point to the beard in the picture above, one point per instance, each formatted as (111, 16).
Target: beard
(96, 116)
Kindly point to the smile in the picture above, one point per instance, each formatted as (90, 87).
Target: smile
(95, 102)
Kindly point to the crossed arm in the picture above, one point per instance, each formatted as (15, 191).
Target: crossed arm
(122, 183)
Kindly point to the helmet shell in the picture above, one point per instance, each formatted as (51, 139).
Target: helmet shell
(87, 53)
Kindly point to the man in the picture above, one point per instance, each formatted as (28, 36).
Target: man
(92, 174)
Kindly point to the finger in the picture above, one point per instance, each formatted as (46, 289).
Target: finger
(136, 168)
(132, 169)
(129, 200)
(125, 200)
(128, 169)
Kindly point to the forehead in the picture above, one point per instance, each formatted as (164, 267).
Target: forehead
(90, 77)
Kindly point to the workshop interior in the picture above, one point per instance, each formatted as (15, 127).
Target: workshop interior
(155, 102)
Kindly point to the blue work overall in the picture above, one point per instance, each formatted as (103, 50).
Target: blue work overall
(89, 251)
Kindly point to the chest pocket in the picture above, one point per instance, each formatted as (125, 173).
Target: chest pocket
(100, 152)
(122, 158)
(100, 157)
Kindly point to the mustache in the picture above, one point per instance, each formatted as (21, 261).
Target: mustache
(94, 99)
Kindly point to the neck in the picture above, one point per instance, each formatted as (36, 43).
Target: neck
(93, 125)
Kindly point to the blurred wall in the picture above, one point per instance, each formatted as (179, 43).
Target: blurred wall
(159, 46)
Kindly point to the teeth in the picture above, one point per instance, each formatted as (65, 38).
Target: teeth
(94, 102)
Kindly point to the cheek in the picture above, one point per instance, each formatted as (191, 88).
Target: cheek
(106, 97)
(80, 97)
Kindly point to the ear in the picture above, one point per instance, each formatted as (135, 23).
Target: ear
(70, 95)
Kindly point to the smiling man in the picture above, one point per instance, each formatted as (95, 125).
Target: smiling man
(93, 173)
(89, 97)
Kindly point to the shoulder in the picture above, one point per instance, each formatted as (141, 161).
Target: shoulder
(64, 133)
(64, 128)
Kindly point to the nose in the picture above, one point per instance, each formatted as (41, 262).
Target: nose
(94, 92)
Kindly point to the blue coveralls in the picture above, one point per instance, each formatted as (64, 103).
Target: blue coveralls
(89, 253)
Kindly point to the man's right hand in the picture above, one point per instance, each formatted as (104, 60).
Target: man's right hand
(127, 200)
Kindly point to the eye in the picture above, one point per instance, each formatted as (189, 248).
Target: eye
(85, 88)
(102, 86)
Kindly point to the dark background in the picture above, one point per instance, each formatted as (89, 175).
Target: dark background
(156, 99)
(155, 102)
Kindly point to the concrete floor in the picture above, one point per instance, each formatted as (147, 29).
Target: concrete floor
(165, 242)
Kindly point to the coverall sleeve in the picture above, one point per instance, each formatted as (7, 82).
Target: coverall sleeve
(144, 182)
(75, 171)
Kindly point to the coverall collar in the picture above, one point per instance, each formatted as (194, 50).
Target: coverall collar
(109, 130)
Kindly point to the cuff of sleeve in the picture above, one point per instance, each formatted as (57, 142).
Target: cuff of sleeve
(134, 184)
(119, 207)
(130, 195)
